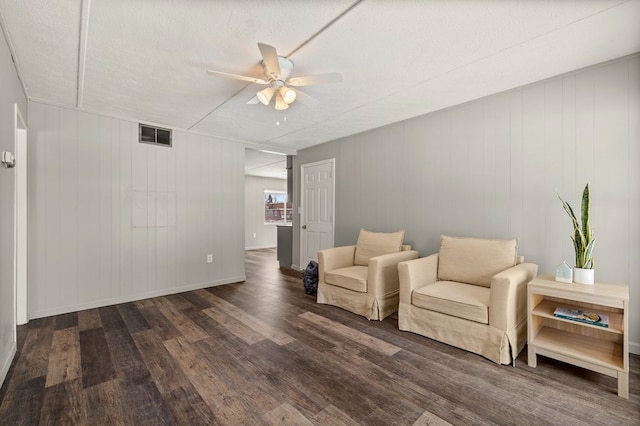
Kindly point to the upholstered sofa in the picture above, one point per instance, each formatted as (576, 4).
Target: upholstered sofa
(472, 295)
(363, 278)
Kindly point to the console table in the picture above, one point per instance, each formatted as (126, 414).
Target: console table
(601, 349)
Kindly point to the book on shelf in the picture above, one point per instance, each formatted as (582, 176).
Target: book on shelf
(587, 317)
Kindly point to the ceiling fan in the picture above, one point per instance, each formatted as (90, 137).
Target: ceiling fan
(277, 78)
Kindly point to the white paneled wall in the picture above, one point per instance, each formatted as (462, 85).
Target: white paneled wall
(265, 235)
(492, 168)
(114, 220)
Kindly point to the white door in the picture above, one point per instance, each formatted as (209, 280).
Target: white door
(317, 209)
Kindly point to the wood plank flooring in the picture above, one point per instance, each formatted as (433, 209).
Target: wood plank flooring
(263, 352)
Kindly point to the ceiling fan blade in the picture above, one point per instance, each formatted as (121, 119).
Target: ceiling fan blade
(239, 77)
(332, 77)
(305, 99)
(270, 58)
(253, 101)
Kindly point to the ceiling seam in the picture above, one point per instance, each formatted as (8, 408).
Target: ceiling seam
(324, 28)
(216, 108)
(304, 43)
(12, 51)
(273, 140)
(505, 49)
(82, 50)
(265, 165)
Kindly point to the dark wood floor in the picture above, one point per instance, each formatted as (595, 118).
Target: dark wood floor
(263, 352)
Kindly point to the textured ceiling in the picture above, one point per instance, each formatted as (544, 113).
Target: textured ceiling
(146, 60)
(265, 164)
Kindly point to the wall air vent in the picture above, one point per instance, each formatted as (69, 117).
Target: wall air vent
(154, 135)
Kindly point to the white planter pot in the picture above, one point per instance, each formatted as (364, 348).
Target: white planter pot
(583, 276)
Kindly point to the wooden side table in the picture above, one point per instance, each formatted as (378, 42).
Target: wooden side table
(601, 349)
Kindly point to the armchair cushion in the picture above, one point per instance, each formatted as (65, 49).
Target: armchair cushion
(371, 244)
(460, 300)
(352, 277)
(474, 260)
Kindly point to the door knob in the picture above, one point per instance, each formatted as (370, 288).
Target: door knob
(304, 226)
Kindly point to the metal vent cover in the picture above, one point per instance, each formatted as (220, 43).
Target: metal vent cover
(154, 135)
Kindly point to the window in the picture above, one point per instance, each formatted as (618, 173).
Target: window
(154, 135)
(277, 209)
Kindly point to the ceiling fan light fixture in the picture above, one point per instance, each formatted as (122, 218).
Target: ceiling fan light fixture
(265, 95)
(280, 102)
(287, 94)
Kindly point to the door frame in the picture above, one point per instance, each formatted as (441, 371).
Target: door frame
(331, 161)
(20, 217)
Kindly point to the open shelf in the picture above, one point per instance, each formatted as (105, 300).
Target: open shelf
(601, 349)
(584, 348)
(546, 308)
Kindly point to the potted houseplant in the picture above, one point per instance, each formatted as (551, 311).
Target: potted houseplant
(583, 240)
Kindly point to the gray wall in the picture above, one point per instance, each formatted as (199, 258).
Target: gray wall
(492, 168)
(114, 220)
(266, 235)
(10, 94)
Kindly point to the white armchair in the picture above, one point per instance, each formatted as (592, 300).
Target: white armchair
(472, 295)
(363, 278)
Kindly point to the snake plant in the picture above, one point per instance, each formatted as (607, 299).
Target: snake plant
(583, 238)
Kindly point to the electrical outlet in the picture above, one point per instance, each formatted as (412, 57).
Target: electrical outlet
(254, 235)
(209, 258)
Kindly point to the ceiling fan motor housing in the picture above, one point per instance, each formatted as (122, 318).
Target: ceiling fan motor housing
(286, 66)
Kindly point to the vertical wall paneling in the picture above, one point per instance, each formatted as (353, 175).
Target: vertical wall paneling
(140, 216)
(162, 224)
(180, 143)
(568, 163)
(152, 189)
(493, 168)
(126, 140)
(167, 267)
(89, 215)
(115, 206)
(517, 162)
(533, 149)
(37, 213)
(417, 215)
(105, 183)
(584, 134)
(52, 208)
(611, 171)
(500, 166)
(69, 212)
(347, 222)
(632, 225)
(211, 212)
(114, 220)
(552, 176)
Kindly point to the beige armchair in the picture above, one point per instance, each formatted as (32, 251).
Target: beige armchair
(363, 278)
(472, 295)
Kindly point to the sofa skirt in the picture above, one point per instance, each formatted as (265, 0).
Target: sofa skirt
(367, 305)
(496, 345)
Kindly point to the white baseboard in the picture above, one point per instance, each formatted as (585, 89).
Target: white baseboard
(131, 298)
(6, 362)
(260, 247)
(634, 348)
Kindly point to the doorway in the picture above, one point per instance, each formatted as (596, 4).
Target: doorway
(317, 204)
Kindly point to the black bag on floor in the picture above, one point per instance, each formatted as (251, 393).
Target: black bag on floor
(310, 278)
